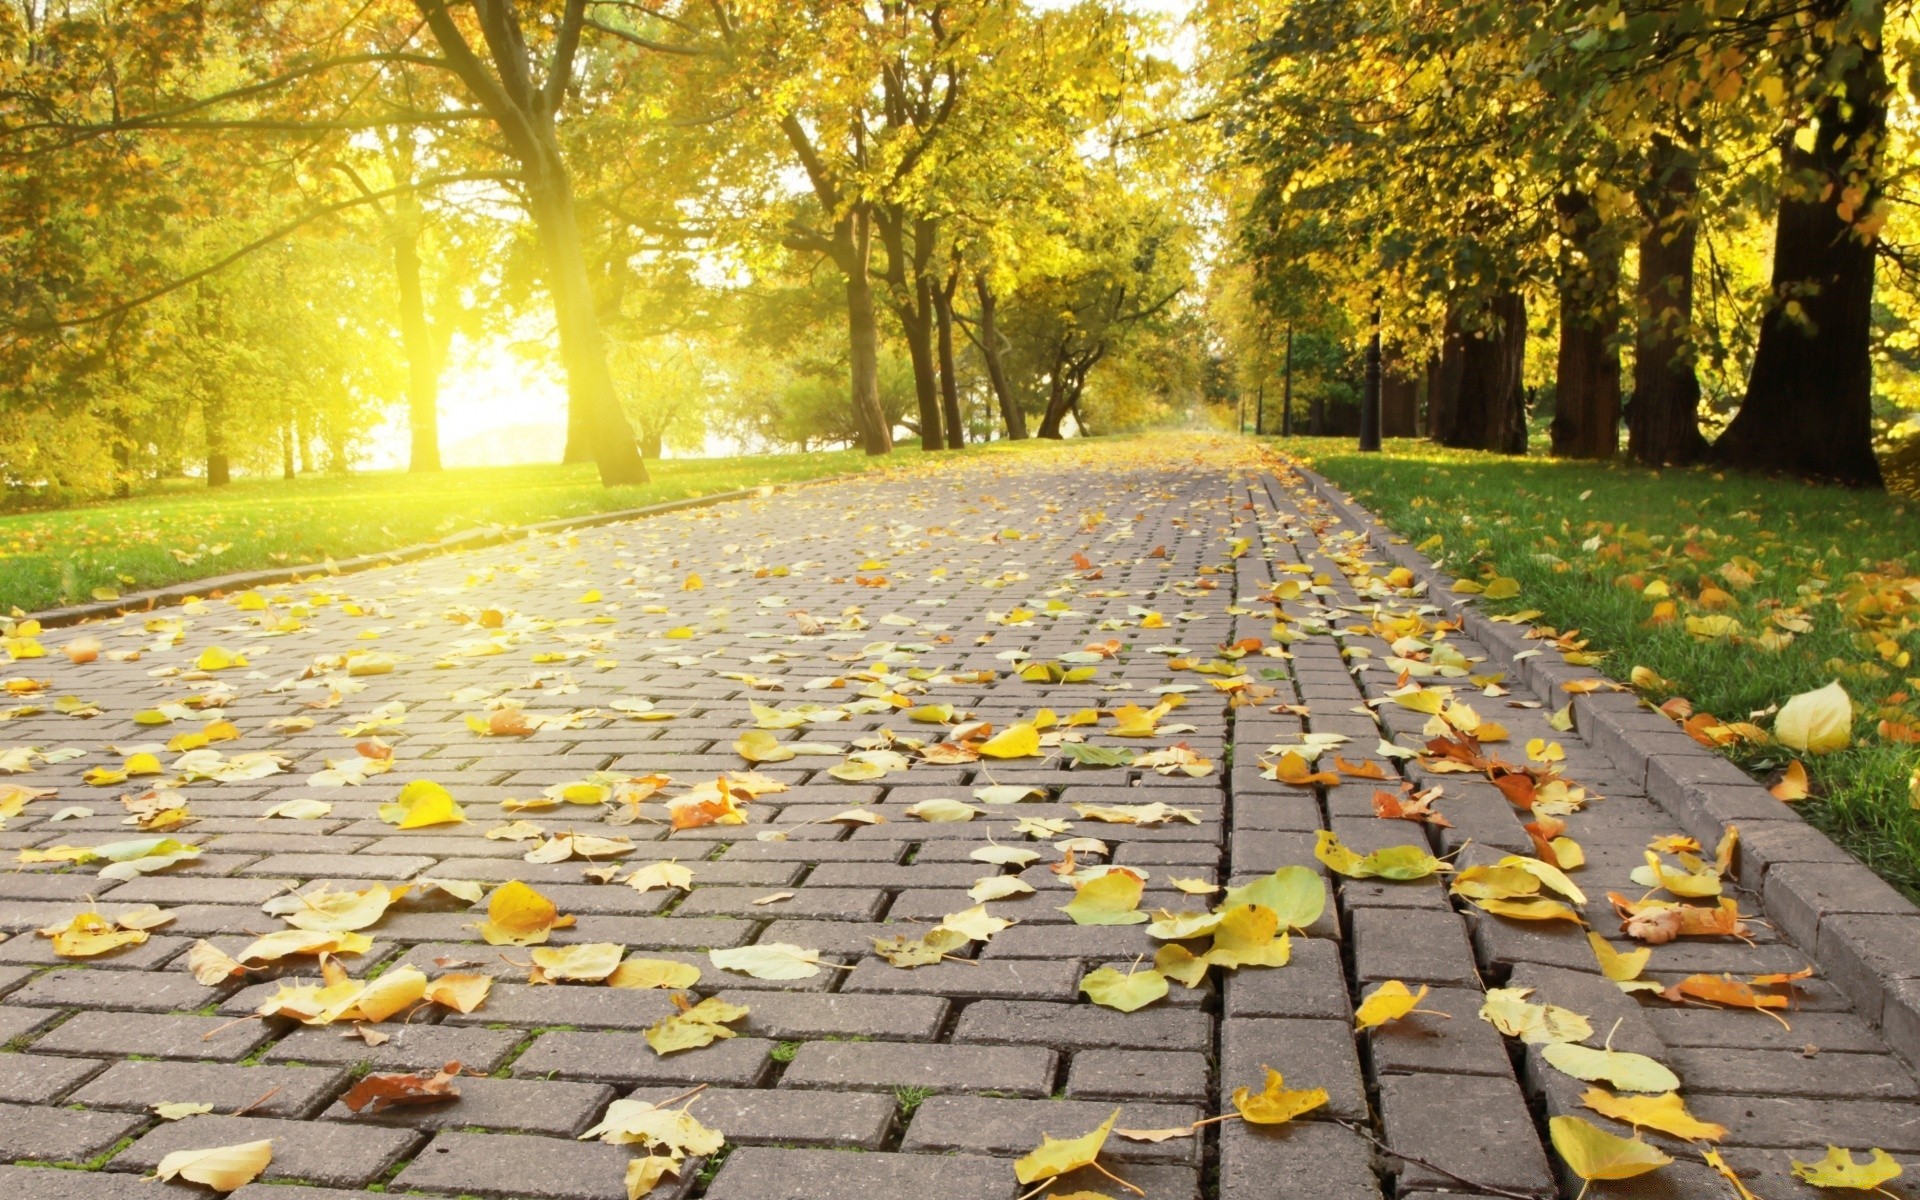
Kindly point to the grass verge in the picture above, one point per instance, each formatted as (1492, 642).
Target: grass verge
(1775, 588)
(183, 530)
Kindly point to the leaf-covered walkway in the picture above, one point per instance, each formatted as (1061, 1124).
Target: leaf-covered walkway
(798, 792)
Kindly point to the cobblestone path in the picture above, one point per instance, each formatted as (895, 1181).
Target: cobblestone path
(1154, 568)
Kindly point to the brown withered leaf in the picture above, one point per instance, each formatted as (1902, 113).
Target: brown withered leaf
(381, 1092)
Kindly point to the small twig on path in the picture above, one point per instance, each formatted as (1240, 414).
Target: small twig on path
(1475, 1184)
(247, 1108)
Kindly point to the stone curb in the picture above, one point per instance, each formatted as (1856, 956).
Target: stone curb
(1863, 934)
(472, 539)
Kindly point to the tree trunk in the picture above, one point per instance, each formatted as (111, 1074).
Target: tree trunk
(989, 344)
(1809, 403)
(916, 322)
(423, 368)
(863, 346)
(213, 414)
(590, 389)
(287, 434)
(1586, 413)
(1399, 399)
(1059, 398)
(1663, 417)
(1489, 409)
(1443, 376)
(650, 443)
(949, 382)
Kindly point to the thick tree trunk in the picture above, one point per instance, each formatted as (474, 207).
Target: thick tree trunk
(650, 443)
(1809, 403)
(1488, 412)
(989, 344)
(1399, 399)
(287, 435)
(590, 388)
(1586, 414)
(1443, 376)
(916, 323)
(863, 344)
(423, 367)
(1663, 418)
(949, 381)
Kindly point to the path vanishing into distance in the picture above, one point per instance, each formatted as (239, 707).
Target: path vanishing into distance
(616, 818)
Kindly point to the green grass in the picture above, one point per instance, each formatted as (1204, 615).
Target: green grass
(1584, 541)
(183, 530)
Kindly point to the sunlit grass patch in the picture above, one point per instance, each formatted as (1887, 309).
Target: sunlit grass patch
(1775, 587)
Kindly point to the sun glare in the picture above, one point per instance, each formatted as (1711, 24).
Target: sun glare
(497, 408)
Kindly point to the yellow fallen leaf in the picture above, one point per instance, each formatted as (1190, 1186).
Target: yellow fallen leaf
(1816, 722)
(517, 915)
(222, 1168)
(1054, 1157)
(1838, 1170)
(1666, 1113)
(1388, 1002)
(423, 803)
(462, 991)
(1020, 741)
(1592, 1153)
(1274, 1104)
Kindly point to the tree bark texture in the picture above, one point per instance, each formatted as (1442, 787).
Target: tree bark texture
(949, 381)
(1663, 418)
(1809, 403)
(1399, 398)
(590, 388)
(1487, 410)
(1586, 413)
(416, 338)
(991, 350)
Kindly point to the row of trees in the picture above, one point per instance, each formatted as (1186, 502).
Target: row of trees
(1699, 190)
(235, 231)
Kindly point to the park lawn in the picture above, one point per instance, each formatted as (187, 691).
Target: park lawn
(186, 531)
(1585, 541)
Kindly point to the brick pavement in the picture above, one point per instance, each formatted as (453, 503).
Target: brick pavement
(863, 1079)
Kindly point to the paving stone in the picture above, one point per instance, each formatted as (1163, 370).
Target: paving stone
(1308, 1053)
(1085, 1026)
(118, 1034)
(1009, 1070)
(1138, 1075)
(42, 1078)
(771, 1116)
(80, 987)
(544, 1106)
(1301, 1160)
(625, 1058)
(409, 1047)
(61, 1134)
(1412, 946)
(1472, 1125)
(1459, 1043)
(151, 954)
(801, 1017)
(1801, 1122)
(1312, 984)
(760, 1173)
(521, 1168)
(817, 903)
(19, 1020)
(263, 1091)
(1006, 1127)
(586, 1007)
(1001, 979)
(53, 1183)
(1791, 1073)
